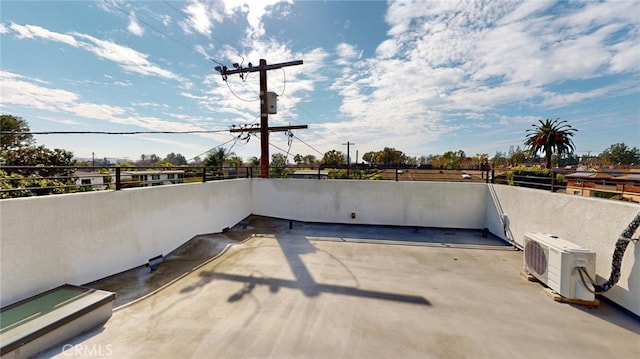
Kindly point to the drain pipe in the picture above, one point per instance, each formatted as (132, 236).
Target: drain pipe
(616, 264)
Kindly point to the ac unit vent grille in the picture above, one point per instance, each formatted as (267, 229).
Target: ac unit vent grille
(536, 257)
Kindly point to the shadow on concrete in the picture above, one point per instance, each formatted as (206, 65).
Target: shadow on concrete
(614, 314)
(293, 250)
(139, 282)
(309, 289)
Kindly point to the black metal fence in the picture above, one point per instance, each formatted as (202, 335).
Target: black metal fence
(41, 180)
(20, 181)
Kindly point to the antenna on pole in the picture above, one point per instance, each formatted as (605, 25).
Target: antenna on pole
(348, 144)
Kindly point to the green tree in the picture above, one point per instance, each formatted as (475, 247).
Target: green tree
(147, 160)
(548, 137)
(369, 157)
(254, 161)
(619, 153)
(18, 132)
(391, 156)
(516, 156)
(18, 150)
(163, 163)
(333, 157)
(215, 158)
(39, 156)
(234, 160)
(567, 159)
(499, 159)
(278, 165)
(451, 159)
(298, 159)
(310, 160)
(125, 164)
(46, 179)
(176, 159)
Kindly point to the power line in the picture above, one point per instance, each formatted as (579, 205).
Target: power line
(271, 144)
(107, 132)
(246, 74)
(213, 148)
(238, 97)
(299, 139)
(264, 107)
(164, 33)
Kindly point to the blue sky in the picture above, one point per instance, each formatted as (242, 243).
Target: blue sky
(423, 77)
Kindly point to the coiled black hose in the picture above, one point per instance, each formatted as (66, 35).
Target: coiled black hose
(616, 264)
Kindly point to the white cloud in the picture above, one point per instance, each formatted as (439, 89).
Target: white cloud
(33, 31)
(626, 56)
(18, 90)
(134, 27)
(166, 20)
(526, 9)
(3, 29)
(126, 57)
(202, 15)
(255, 10)
(347, 54)
(455, 56)
(387, 49)
(200, 18)
(24, 91)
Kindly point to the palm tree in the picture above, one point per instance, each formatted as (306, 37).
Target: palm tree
(550, 136)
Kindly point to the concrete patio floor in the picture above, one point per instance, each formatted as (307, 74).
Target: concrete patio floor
(263, 290)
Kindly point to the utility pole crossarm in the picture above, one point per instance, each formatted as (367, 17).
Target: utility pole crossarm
(226, 71)
(271, 129)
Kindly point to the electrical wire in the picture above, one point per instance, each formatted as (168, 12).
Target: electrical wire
(160, 31)
(271, 144)
(234, 143)
(284, 81)
(238, 97)
(211, 149)
(298, 138)
(244, 79)
(108, 132)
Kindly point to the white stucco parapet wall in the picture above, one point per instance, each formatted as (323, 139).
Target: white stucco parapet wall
(79, 238)
(434, 204)
(592, 223)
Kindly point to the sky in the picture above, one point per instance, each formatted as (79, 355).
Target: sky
(423, 77)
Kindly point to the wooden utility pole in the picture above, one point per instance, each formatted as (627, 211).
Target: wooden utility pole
(348, 144)
(264, 116)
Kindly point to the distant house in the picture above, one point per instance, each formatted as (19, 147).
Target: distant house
(310, 174)
(604, 185)
(91, 179)
(152, 178)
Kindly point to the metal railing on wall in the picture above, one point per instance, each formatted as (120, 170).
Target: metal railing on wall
(18, 181)
(27, 181)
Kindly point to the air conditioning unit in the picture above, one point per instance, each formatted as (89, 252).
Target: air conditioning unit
(555, 261)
